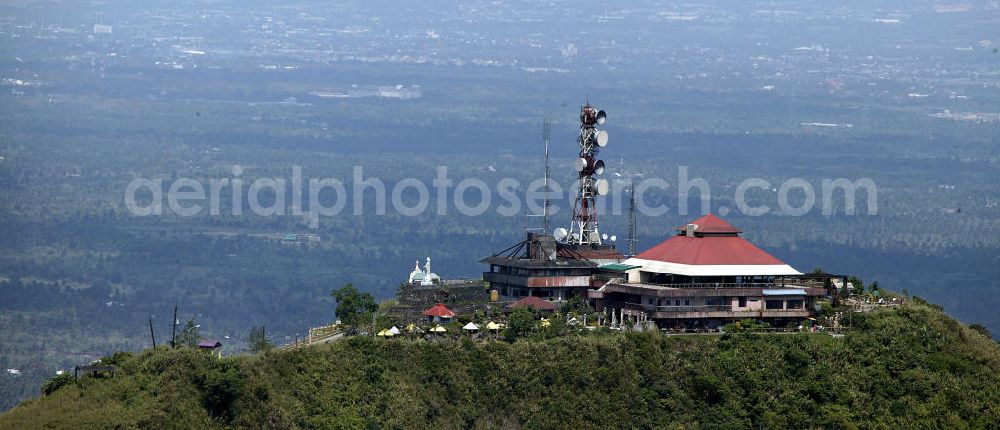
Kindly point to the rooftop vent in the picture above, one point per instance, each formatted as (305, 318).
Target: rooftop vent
(691, 229)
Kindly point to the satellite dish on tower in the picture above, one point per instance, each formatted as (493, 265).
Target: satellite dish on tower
(601, 187)
(580, 164)
(560, 234)
(604, 236)
(601, 117)
(614, 238)
(601, 138)
(599, 167)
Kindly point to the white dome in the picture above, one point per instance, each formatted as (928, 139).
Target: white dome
(416, 275)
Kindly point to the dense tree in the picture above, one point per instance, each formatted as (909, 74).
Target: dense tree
(354, 307)
(520, 323)
(577, 306)
(907, 367)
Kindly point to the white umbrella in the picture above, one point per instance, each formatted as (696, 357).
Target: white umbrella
(394, 330)
(470, 326)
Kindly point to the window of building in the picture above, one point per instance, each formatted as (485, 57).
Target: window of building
(687, 302)
(773, 304)
(677, 302)
(743, 302)
(793, 304)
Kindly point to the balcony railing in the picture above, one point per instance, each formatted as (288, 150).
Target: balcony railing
(703, 285)
(702, 308)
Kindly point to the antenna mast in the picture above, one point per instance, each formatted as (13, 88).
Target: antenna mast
(546, 132)
(633, 237)
(583, 229)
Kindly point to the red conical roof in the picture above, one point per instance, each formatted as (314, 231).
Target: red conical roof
(721, 246)
(439, 310)
(709, 250)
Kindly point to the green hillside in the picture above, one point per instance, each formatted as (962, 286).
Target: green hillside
(909, 367)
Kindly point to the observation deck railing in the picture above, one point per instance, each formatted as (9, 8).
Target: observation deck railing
(704, 285)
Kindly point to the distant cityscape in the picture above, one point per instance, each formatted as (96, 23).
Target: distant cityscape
(943, 77)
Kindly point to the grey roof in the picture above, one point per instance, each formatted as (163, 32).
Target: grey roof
(525, 263)
(209, 343)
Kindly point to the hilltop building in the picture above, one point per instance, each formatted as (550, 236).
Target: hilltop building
(423, 288)
(705, 276)
(707, 250)
(542, 267)
(423, 277)
(212, 346)
(561, 266)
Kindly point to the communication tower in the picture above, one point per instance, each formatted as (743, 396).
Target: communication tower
(583, 229)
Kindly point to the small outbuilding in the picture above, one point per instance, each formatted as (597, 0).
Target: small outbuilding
(535, 303)
(439, 313)
(211, 345)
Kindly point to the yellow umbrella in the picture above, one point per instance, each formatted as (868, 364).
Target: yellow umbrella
(412, 327)
(439, 329)
(492, 326)
(545, 322)
(383, 333)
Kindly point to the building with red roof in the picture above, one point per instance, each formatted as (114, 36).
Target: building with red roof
(439, 312)
(534, 302)
(708, 249)
(706, 275)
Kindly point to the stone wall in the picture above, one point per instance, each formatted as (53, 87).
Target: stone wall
(451, 293)
(463, 297)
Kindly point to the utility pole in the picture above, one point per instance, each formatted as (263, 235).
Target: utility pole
(173, 329)
(151, 335)
(633, 234)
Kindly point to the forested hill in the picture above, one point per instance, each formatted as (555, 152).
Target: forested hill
(909, 367)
